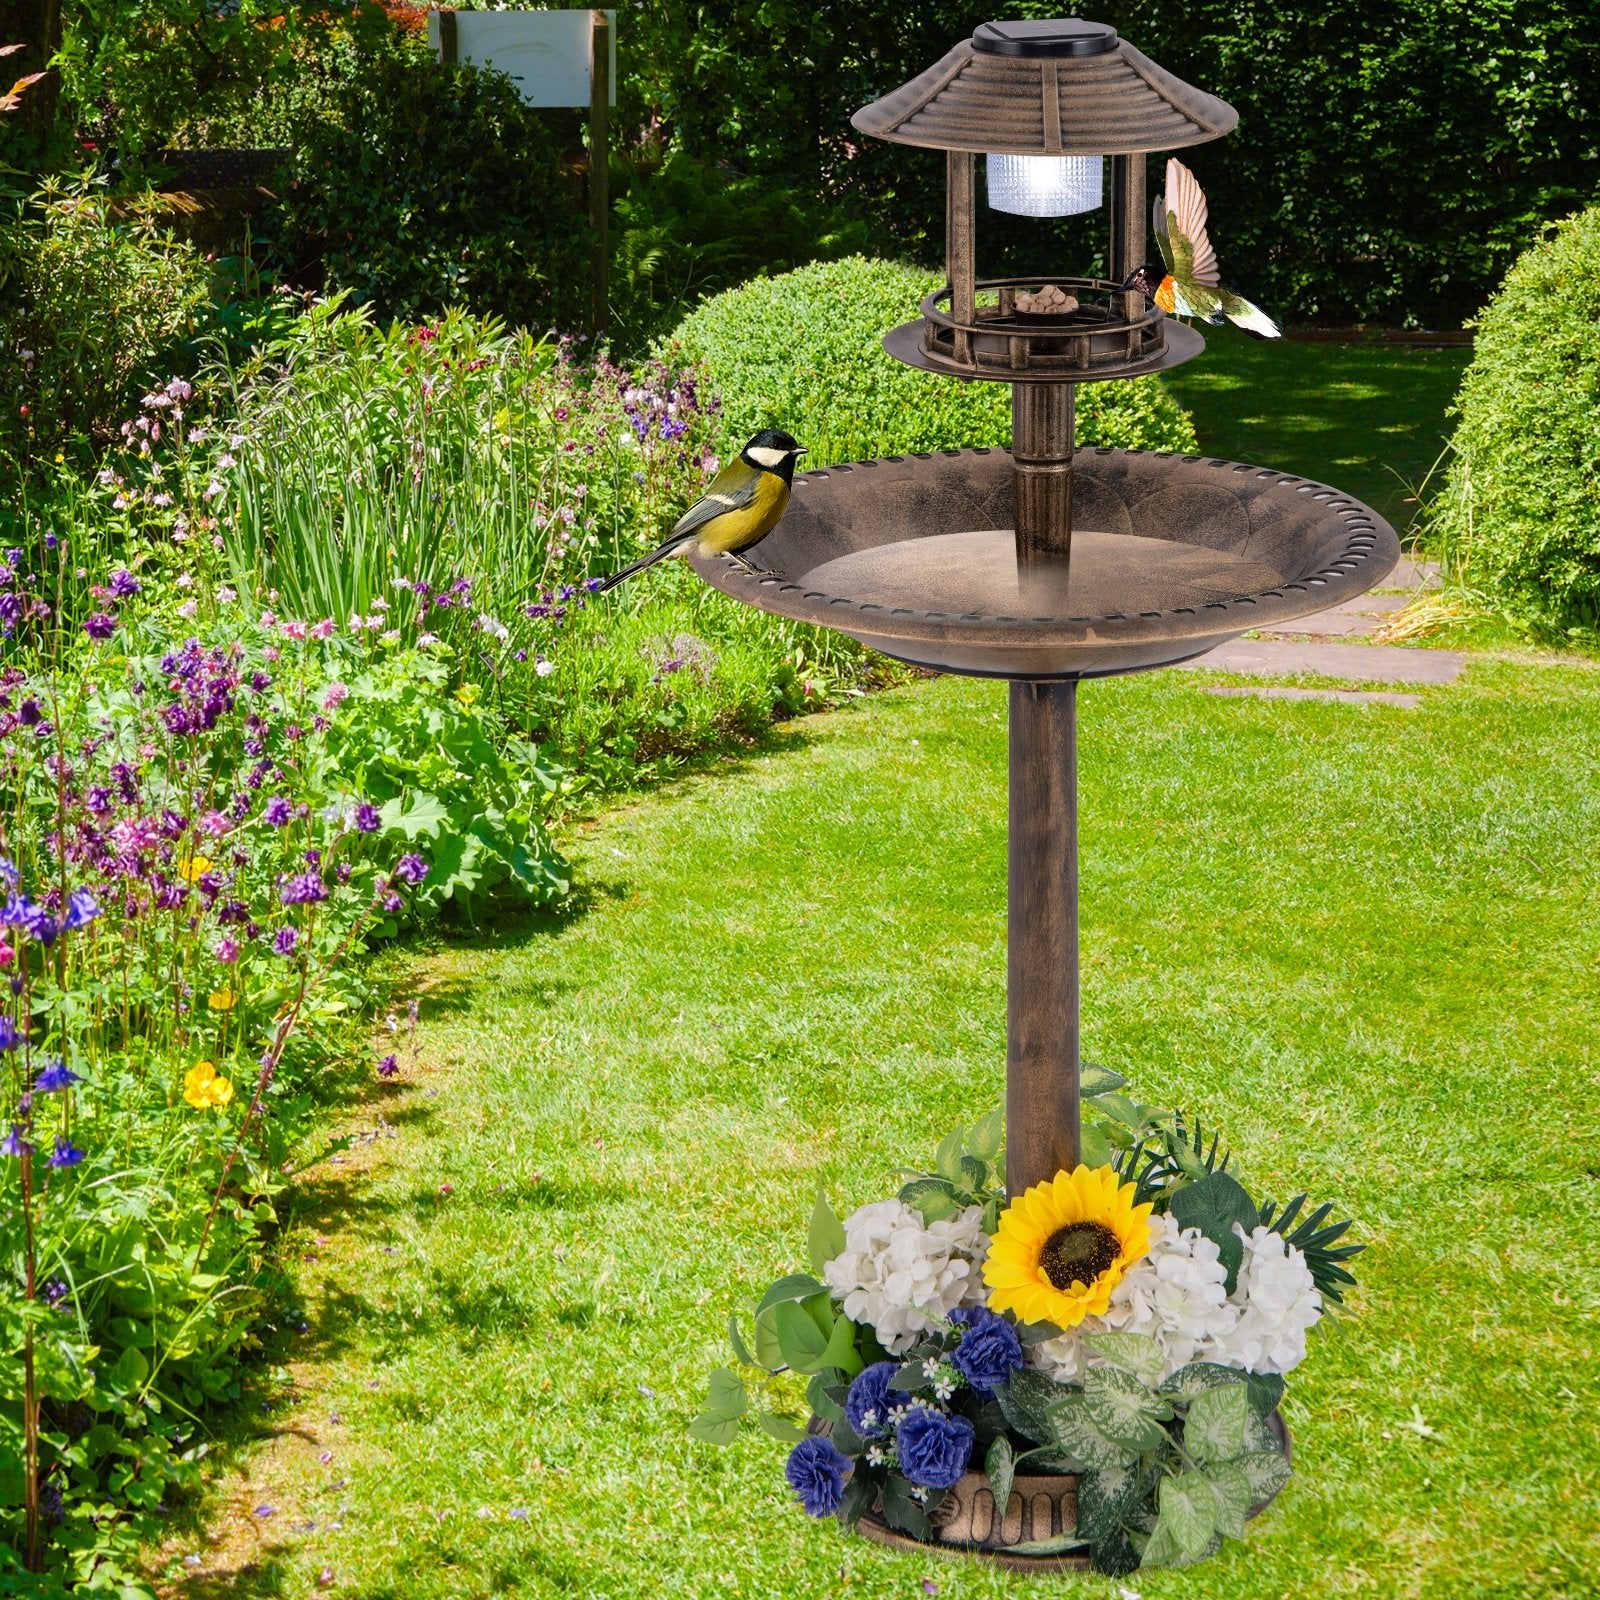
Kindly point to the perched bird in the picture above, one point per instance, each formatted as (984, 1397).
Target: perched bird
(1191, 285)
(741, 505)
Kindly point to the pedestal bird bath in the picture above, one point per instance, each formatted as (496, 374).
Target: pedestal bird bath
(1040, 565)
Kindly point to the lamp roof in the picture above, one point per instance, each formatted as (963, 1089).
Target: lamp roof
(1066, 87)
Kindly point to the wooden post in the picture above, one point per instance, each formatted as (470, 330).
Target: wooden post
(1041, 472)
(1129, 239)
(960, 244)
(1042, 1049)
(599, 174)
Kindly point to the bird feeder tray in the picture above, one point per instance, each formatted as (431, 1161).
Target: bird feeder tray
(1170, 556)
(1095, 341)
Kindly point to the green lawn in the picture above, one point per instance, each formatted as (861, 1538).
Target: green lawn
(1368, 417)
(1360, 938)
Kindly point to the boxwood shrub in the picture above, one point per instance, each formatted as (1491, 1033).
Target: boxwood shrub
(803, 352)
(1520, 514)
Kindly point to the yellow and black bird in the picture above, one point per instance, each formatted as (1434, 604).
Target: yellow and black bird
(741, 506)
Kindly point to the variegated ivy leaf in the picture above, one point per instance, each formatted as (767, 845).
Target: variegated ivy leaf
(1267, 1472)
(1124, 1410)
(1137, 1353)
(1188, 1516)
(1234, 1497)
(1103, 1497)
(1217, 1423)
(1077, 1434)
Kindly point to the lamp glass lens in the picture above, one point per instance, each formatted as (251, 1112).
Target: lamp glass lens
(1044, 186)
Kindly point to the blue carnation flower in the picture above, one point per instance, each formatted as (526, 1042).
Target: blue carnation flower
(934, 1448)
(816, 1471)
(866, 1407)
(989, 1352)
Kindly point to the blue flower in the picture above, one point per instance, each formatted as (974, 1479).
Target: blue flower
(367, 818)
(10, 1034)
(14, 1144)
(989, 1352)
(82, 909)
(934, 1449)
(55, 1076)
(816, 1472)
(866, 1407)
(65, 1154)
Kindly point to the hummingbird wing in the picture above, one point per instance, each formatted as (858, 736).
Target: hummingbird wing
(733, 488)
(1158, 226)
(1186, 204)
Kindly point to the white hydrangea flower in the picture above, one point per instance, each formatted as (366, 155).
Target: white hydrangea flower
(1062, 1358)
(1278, 1303)
(1177, 1295)
(902, 1276)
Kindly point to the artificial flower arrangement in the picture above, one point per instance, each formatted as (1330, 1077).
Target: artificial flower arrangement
(1129, 1323)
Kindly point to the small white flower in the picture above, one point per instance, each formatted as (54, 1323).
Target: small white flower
(1278, 1304)
(1177, 1294)
(544, 668)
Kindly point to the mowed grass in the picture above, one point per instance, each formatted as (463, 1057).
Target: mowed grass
(1360, 940)
(1370, 418)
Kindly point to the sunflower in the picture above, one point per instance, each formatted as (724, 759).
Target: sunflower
(1063, 1247)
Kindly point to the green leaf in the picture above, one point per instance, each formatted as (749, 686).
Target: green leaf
(840, 1350)
(1193, 1380)
(796, 1286)
(129, 1372)
(1214, 1205)
(1061, 1543)
(1188, 1517)
(1094, 1148)
(847, 1441)
(821, 1402)
(799, 1338)
(826, 1239)
(1214, 1430)
(1265, 1390)
(1104, 1497)
(1124, 1410)
(1001, 1465)
(1116, 1555)
(1077, 1434)
(768, 1354)
(727, 1397)
(1234, 1497)
(901, 1512)
(1032, 1333)
(974, 1174)
(947, 1158)
(780, 1428)
(1094, 1079)
(1025, 1400)
(1121, 1109)
(935, 1198)
(1267, 1471)
(736, 1339)
(985, 1135)
(1137, 1353)
(859, 1494)
(714, 1430)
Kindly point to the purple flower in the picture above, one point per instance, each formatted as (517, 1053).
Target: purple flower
(14, 1145)
(54, 1292)
(411, 867)
(989, 1352)
(388, 1067)
(227, 951)
(29, 713)
(123, 584)
(10, 1034)
(82, 909)
(277, 812)
(66, 1153)
(284, 941)
(866, 1407)
(816, 1471)
(99, 801)
(55, 1076)
(367, 818)
(34, 920)
(303, 888)
(101, 625)
(934, 1449)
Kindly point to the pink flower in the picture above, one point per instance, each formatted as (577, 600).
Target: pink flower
(227, 951)
(325, 629)
(214, 823)
(335, 696)
(271, 653)
(293, 630)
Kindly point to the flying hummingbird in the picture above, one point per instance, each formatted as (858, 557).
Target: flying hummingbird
(1191, 285)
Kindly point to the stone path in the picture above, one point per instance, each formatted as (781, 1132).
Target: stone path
(1307, 650)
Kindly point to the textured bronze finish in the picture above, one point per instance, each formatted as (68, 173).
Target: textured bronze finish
(1172, 555)
(1042, 1050)
(1116, 103)
(1041, 460)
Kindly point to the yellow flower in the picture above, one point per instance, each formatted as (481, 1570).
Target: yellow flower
(192, 868)
(222, 999)
(1062, 1247)
(204, 1090)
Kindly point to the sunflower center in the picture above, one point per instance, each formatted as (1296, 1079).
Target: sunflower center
(1079, 1253)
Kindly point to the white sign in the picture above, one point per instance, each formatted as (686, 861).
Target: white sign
(546, 52)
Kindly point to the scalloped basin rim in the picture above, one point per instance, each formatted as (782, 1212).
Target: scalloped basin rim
(1174, 554)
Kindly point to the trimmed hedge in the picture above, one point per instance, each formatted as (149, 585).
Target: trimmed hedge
(803, 352)
(1520, 515)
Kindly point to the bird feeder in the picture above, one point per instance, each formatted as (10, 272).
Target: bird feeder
(1037, 565)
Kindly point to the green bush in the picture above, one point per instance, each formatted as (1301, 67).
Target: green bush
(803, 352)
(95, 298)
(418, 186)
(1520, 514)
